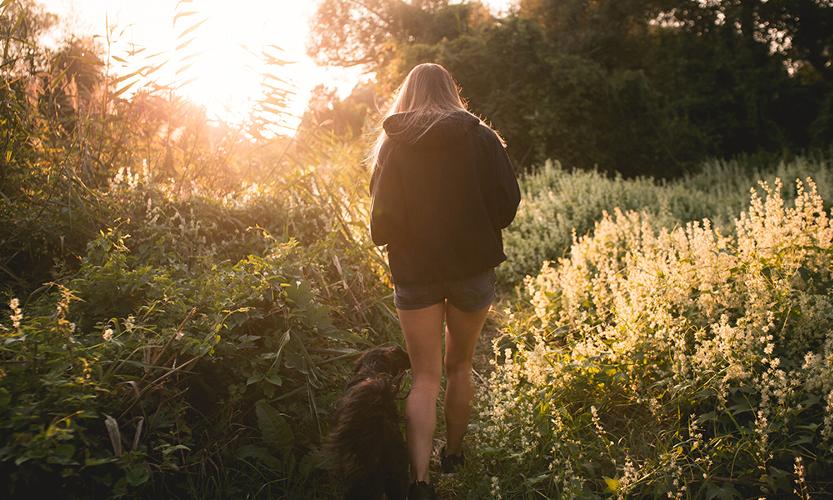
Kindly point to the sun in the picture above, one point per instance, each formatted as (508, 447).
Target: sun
(224, 63)
(213, 49)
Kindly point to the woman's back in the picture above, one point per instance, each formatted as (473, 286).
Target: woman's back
(441, 195)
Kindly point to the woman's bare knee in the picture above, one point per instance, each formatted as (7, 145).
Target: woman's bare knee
(426, 382)
(463, 331)
(457, 368)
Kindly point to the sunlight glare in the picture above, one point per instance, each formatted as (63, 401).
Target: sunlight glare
(222, 67)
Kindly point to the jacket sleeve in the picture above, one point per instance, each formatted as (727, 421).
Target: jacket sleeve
(386, 214)
(504, 194)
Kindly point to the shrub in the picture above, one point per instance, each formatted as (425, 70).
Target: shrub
(685, 361)
(558, 205)
(194, 350)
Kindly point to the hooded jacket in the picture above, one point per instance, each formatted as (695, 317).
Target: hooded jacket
(440, 198)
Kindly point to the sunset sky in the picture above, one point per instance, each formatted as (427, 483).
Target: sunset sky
(226, 64)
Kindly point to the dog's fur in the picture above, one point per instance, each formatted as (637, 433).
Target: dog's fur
(365, 446)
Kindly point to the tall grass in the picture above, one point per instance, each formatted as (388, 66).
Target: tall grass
(182, 300)
(198, 342)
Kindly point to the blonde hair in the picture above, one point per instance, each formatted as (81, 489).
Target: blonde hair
(430, 93)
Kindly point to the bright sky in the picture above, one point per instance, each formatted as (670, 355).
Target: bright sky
(225, 67)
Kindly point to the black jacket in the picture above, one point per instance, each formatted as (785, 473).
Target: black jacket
(440, 200)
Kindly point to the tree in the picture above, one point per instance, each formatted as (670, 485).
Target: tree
(22, 24)
(636, 86)
(369, 32)
(803, 31)
(344, 118)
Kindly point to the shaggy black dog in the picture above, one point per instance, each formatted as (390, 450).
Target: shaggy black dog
(365, 446)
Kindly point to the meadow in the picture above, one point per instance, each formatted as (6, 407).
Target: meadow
(183, 301)
(662, 358)
(195, 345)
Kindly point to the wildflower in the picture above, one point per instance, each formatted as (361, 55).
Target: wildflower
(629, 475)
(801, 490)
(108, 334)
(654, 406)
(496, 487)
(621, 299)
(594, 413)
(17, 314)
(694, 432)
(827, 431)
(130, 323)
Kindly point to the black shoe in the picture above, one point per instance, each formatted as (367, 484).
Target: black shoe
(421, 490)
(450, 463)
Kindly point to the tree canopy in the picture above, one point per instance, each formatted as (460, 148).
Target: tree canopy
(634, 86)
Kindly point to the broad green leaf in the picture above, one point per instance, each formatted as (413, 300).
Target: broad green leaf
(273, 426)
(138, 474)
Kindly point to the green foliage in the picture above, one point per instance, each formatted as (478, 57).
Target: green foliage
(188, 336)
(652, 360)
(352, 33)
(345, 118)
(174, 329)
(558, 205)
(634, 87)
(185, 300)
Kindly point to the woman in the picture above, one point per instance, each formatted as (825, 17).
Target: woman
(442, 189)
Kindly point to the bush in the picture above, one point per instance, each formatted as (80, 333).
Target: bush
(196, 348)
(686, 360)
(558, 205)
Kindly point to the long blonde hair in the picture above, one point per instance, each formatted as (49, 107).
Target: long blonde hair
(431, 93)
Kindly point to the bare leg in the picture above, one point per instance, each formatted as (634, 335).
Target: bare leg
(463, 330)
(423, 337)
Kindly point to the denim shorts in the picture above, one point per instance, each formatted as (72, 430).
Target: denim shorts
(468, 294)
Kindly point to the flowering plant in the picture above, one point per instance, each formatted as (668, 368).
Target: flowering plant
(653, 361)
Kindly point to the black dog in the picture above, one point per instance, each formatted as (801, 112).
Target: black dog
(365, 446)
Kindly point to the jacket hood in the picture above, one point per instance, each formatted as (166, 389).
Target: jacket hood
(401, 127)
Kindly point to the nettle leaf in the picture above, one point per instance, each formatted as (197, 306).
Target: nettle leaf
(299, 293)
(62, 454)
(274, 378)
(138, 474)
(311, 313)
(778, 479)
(273, 426)
(532, 481)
